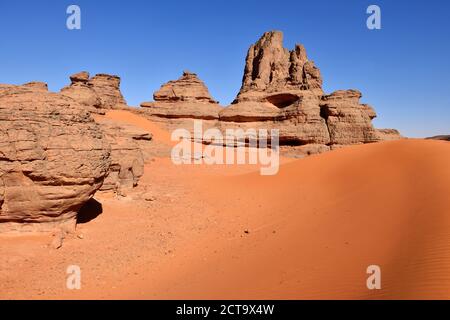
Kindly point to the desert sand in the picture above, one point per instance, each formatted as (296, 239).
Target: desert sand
(227, 232)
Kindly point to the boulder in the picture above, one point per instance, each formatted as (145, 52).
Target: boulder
(82, 77)
(53, 158)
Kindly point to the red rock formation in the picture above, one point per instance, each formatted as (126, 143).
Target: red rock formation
(349, 122)
(187, 88)
(99, 92)
(128, 146)
(107, 88)
(53, 157)
(82, 91)
(269, 67)
(187, 97)
(179, 102)
(282, 90)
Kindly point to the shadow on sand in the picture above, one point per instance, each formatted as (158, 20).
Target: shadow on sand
(90, 210)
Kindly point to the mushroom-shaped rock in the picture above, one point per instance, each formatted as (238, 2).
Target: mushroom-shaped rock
(187, 97)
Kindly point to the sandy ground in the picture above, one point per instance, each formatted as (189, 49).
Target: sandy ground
(227, 232)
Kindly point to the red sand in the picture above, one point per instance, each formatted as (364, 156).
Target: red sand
(227, 232)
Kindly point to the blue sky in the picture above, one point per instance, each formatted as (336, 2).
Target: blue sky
(402, 70)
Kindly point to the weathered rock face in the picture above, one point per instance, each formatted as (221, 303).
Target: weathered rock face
(107, 88)
(299, 123)
(282, 90)
(53, 158)
(186, 97)
(271, 68)
(179, 102)
(99, 92)
(128, 146)
(187, 88)
(82, 91)
(349, 122)
(36, 85)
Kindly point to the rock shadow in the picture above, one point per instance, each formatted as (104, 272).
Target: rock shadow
(89, 211)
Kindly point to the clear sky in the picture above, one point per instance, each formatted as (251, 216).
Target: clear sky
(402, 70)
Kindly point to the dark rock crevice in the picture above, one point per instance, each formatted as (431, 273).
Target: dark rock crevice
(282, 100)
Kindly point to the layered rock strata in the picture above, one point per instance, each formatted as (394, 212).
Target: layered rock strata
(281, 90)
(97, 93)
(128, 154)
(53, 158)
(178, 102)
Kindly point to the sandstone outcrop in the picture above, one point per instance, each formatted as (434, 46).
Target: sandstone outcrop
(348, 121)
(97, 93)
(440, 137)
(187, 97)
(299, 123)
(53, 158)
(282, 90)
(128, 153)
(107, 88)
(129, 145)
(82, 91)
(271, 68)
(187, 88)
(179, 102)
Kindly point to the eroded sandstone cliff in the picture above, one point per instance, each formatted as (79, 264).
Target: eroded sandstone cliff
(281, 90)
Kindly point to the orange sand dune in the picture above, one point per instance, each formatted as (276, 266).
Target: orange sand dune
(128, 117)
(312, 230)
(227, 232)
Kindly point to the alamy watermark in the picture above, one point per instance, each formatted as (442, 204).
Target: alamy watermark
(374, 280)
(374, 20)
(73, 281)
(252, 146)
(73, 21)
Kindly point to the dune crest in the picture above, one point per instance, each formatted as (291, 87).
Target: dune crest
(312, 230)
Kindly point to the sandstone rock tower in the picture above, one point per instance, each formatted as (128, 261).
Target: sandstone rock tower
(269, 67)
(282, 90)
